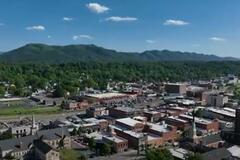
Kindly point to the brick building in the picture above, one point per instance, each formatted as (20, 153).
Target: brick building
(121, 112)
(130, 124)
(152, 116)
(211, 126)
(176, 88)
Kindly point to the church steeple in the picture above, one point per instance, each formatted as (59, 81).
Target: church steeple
(194, 129)
(34, 127)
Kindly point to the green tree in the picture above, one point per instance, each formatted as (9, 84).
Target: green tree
(105, 149)
(91, 143)
(236, 92)
(158, 154)
(59, 92)
(6, 135)
(2, 91)
(74, 132)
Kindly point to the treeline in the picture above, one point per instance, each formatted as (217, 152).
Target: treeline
(25, 78)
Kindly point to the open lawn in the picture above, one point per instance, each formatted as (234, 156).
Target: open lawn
(70, 154)
(19, 110)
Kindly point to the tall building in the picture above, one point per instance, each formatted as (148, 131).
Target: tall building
(176, 88)
(237, 121)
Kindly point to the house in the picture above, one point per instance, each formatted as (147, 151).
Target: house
(119, 144)
(121, 112)
(43, 151)
(16, 147)
(22, 147)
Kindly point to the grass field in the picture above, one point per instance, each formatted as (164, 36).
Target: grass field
(69, 154)
(18, 110)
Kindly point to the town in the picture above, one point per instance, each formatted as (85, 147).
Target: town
(126, 121)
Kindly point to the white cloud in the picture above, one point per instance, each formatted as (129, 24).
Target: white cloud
(83, 36)
(97, 8)
(150, 41)
(173, 22)
(67, 19)
(121, 19)
(218, 39)
(49, 36)
(36, 28)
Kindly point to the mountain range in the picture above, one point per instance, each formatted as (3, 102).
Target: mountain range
(42, 53)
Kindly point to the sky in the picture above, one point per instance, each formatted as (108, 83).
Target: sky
(202, 26)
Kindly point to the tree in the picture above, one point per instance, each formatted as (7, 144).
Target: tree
(105, 149)
(158, 154)
(195, 156)
(59, 92)
(74, 132)
(6, 135)
(236, 91)
(2, 91)
(91, 143)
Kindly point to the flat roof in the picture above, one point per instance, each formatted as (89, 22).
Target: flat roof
(115, 139)
(151, 136)
(159, 127)
(223, 112)
(197, 119)
(106, 95)
(125, 109)
(179, 153)
(128, 121)
(177, 119)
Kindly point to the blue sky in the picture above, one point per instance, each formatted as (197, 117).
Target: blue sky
(204, 26)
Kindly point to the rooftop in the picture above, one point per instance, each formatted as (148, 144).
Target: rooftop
(197, 119)
(159, 127)
(115, 139)
(222, 111)
(128, 121)
(106, 95)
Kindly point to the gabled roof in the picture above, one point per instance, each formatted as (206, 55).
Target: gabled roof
(213, 138)
(217, 154)
(17, 144)
(42, 146)
(52, 134)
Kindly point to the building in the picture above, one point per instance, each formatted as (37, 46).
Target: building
(22, 147)
(211, 141)
(166, 132)
(130, 124)
(102, 123)
(237, 122)
(96, 111)
(43, 151)
(112, 97)
(18, 148)
(24, 127)
(225, 114)
(76, 105)
(121, 112)
(217, 154)
(176, 88)
(205, 125)
(214, 99)
(180, 124)
(43, 99)
(195, 91)
(119, 144)
(152, 116)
